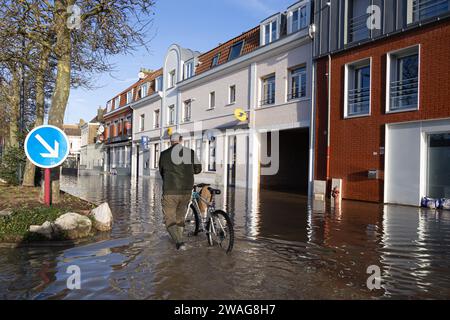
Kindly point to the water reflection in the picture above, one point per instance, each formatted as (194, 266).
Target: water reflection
(286, 247)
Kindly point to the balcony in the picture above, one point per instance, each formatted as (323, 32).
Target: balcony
(358, 101)
(404, 94)
(295, 95)
(423, 9)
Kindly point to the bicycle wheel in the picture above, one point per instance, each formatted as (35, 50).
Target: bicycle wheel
(223, 232)
(192, 221)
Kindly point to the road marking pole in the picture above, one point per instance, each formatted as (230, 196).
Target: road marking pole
(47, 188)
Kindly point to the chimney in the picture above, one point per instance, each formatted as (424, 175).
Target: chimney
(100, 113)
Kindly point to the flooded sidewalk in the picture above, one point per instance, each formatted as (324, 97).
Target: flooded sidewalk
(285, 249)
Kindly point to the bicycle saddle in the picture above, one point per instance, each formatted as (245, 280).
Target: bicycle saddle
(214, 191)
(201, 185)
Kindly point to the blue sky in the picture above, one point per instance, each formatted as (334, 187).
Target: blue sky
(196, 24)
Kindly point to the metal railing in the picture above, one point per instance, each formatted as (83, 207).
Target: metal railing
(296, 95)
(404, 94)
(357, 28)
(358, 101)
(268, 101)
(423, 9)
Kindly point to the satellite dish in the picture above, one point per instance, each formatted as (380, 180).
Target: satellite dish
(141, 75)
(101, 129)
(210, 135)
(240, 115)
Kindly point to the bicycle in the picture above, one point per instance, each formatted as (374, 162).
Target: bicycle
(217, 223)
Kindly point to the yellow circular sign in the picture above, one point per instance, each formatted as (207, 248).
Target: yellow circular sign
(240, 114)
(169, 131)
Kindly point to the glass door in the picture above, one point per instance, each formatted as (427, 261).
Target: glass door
(438, 184)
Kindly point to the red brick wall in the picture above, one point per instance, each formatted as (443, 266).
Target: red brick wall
(354, 141)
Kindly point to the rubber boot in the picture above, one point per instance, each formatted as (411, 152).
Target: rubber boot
(173, 231)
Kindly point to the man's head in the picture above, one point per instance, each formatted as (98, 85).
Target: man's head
(176, 138)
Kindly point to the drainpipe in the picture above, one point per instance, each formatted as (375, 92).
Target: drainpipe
(329, 118)
(312, 135)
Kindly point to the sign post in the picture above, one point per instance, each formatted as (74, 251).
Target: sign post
(47, 147)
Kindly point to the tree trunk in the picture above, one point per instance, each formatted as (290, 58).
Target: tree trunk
(30, 169)
(62, 85)
(14, 100)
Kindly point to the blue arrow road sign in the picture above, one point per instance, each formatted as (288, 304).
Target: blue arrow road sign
(47, 146)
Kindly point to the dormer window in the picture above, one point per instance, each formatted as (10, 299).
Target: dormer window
(129, 96)
(189, 69)
(418, 10)
(236, 50)
(215, 60)
(109, 106)
(159, 83)
(298, 16)
(117, 103)
(270, 31)
(144, 90)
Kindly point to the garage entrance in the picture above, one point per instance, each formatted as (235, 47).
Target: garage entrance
(292, 175)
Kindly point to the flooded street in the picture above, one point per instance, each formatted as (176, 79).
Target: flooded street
(284, 249)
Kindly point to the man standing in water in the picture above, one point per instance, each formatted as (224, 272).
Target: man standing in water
(177, 166)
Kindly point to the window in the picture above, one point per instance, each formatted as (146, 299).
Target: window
(171, 83)
(212, 100)
(268, 90)
(232, 95)
(159, 84)
(270, 32)
(144, 90)
(212, 155)
(424, 9)
(128, 127)
(109, 106)
(187, 111)
(171, 117)
(189, 70)
(300, 19)
(357, 98)
(117, 103)
(129, 96)
(155, 156)
(142, 122)
(236, 50)
(357, 20)
(297, 83)
(215, 60)
(403, 80)
(198, 149)
(156, 119)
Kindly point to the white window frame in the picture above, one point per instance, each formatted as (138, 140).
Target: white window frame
(189, 69)
(171, 79)
(187, 110)
(117, 103)
(144, 86)
(232, 89)
(306, 5)
(410, 13)
(264, 83)
(212, 100)
(208, 145)
(156, 154)
(271, 24)
(213, 59)
(159, 83)
(198, 149)
(348, 67)
(390, 57)
(156, 120)
(130, 96)
(109, 105)
(290, 87)
(142, 122)
(171, 110)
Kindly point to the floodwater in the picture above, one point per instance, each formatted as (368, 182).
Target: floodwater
(284, 249)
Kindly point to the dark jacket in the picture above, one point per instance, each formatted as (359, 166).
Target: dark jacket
(178, 178)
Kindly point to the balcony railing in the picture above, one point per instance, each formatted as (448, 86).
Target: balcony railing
(423, 9)
(187, 119)
(268, 101)
(296, 95)
(404, 94)
(357, 28)
(358, 101)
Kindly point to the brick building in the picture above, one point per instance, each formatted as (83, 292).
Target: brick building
(382, 100)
